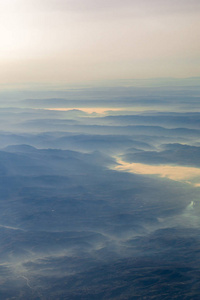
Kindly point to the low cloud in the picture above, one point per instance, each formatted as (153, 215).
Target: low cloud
(177, 173)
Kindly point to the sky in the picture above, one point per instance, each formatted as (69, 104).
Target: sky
(70, 42)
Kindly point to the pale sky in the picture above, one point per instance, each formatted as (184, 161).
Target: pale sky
(78, 41)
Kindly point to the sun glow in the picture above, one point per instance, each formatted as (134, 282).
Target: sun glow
(177, 173)
(89, 110)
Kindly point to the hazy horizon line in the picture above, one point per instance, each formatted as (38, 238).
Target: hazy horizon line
(131, 82)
